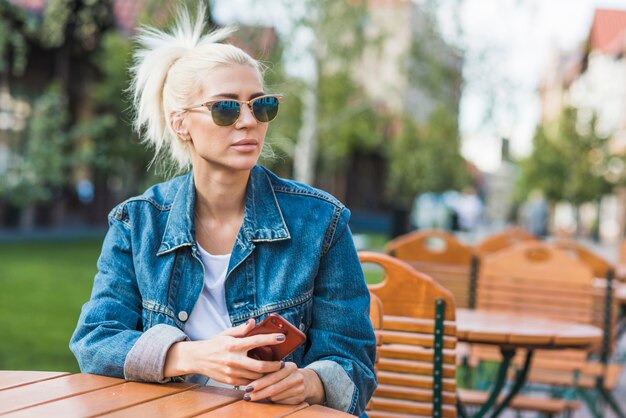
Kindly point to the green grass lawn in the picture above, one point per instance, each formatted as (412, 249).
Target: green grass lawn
(42, 288)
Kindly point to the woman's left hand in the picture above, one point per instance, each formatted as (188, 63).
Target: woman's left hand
(289, 385)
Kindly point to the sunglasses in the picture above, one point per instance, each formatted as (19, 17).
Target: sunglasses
(225, 112)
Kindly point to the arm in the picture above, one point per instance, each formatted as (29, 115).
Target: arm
(343, 345)
(109, 338)
(341, 342)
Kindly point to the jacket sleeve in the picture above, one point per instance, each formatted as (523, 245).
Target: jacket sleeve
(109, 338)
(342, 342)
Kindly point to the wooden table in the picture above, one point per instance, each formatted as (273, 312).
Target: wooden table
(54, 394)
(511, 332)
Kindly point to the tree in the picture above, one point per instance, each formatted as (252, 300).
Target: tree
(425, 158)
(545, 169)
(16, 27)
(568, 162)
(38, 172)
(338, 42)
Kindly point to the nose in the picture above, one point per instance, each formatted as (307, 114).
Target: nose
(246, 117)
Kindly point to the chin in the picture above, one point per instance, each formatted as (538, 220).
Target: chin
(243, 164)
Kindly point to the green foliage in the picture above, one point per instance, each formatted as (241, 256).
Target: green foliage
(82, 20)
(41, 167)
(426, 158)
(339, 31)
(347, 120)
(569, 162)
(16, 26)
(545, 169)
(105, 140)
(434, 66)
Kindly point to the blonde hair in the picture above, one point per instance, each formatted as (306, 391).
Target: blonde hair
(166, 72)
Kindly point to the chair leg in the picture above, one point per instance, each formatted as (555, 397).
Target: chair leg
(610, 400)
(591, 402)
(460, 408)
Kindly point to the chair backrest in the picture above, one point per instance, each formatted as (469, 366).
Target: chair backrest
(598, 265)
(441, 256)
(541, 279)
(605, 310)
(417, 358)
(536, 278)
(501, 240)
(376, 311)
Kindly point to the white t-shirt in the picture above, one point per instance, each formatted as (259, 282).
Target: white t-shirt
(210, 315)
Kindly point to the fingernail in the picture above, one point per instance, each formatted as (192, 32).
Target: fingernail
(251, 320)
(249, 389)
(280, 338)
(246, 397)
(282, 364)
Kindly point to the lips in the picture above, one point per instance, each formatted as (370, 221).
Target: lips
(246, 146)
(243, 142)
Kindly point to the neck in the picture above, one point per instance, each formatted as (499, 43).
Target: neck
(220, 195)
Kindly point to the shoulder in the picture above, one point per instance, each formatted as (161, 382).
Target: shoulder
(291, 189)
(158, 197)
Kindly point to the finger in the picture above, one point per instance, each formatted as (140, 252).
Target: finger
(261, 366)
(286, 388)
(233, 381)
(240, 330)
(248, 343)
(273, 383)
(249, 375)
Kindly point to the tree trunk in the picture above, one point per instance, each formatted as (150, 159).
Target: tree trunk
(306, 149)
(595, 229)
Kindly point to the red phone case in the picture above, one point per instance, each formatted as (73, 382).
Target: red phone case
(275, 323)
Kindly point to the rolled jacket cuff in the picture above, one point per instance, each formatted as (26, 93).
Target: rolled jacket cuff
(146, 360)
(341, 393)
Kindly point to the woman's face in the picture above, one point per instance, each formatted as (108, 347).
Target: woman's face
(235, 147)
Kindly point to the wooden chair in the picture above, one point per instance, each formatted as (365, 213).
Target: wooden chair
(502, 239)
(417, 361)
(536, 278)
(441, 256)
(606, 312)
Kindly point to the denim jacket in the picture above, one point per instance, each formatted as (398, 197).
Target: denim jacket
(293, 255)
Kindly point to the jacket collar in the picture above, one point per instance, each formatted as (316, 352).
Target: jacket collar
(262, 221)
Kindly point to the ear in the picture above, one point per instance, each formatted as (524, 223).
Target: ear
(177, 123)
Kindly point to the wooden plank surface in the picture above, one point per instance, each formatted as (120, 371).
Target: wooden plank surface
(13, 378)
(523, 330)
(86, 395)
(183, 404)
(253, 409)
(52, 389)
(103, 400)
(317, 411)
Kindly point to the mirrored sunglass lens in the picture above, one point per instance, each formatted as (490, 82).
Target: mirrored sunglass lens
(266, 108)
(225, 112)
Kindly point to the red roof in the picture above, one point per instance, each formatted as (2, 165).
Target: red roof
(608, 31)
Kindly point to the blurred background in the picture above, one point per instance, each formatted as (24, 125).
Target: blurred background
(464, 115)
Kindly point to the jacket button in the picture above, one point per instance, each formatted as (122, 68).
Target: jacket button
(302, 326)
(182, 315)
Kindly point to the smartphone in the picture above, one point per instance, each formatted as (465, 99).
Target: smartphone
(274, 323)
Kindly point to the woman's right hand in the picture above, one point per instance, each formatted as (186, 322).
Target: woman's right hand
(223, 358)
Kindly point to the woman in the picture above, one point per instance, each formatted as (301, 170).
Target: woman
(188, 267)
